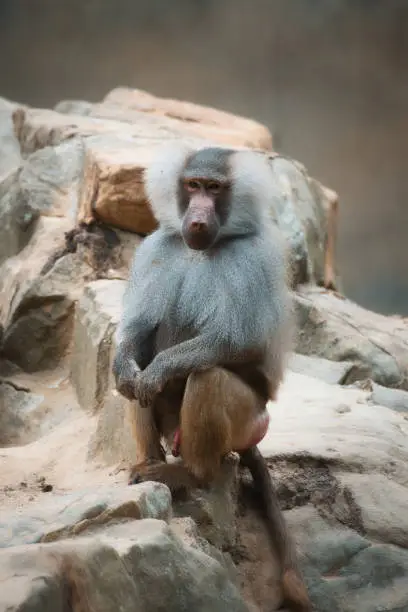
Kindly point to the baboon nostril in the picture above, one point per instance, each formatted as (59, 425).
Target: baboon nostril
(197, 226)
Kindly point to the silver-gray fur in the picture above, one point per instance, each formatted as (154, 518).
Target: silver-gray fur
(188, 310)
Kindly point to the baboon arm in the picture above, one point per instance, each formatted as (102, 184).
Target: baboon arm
(134, 352)
(137, 343)
(194, 355)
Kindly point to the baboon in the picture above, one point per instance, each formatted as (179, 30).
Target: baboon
(204, 333)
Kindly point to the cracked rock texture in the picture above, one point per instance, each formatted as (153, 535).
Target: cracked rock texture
(73, 211)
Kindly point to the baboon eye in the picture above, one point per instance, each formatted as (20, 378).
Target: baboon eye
(192, 185)
(214, 187)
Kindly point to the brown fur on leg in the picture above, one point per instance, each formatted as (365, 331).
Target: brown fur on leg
(163, 420)
(204, 423)
(213, 410)
(201, 413)
(217, 416)
(145, 433)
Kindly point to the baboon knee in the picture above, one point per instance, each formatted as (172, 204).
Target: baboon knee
(211, 382)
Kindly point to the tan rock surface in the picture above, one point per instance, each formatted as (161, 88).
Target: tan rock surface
(113, 184)
(255, 134)
(36, 128)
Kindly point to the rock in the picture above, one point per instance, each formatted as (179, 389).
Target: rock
(345, 571)
(50, 179)
(9, 148)
(17, 217)
(73, 107)
(149, 565)
(31, 408)
(113, 186)
(259, 571)
(38, 128)
(333, 327)
(112, 440)
(46, 278)
(128, 243)
(340, 468)
(7, 368)
(31, 581)
(97, 314)
(325, 545)
(314, 421)
(252, 133)
(214, 511)
(332, 372)
(116, 155)
(20, 416)
(136, 107)
(186, 529)
(380, 504)
(83, 511)
(45, 184)
(396, 399)
(115, 159)
(37, 207)
(44, 282)
(304, 211)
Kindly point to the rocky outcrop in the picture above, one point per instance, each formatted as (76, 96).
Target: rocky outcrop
(336, 328)
(73, 211)
(81, 512)
(115, 569)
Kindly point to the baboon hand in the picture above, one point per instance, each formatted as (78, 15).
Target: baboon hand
(147, 386)
(126, 375)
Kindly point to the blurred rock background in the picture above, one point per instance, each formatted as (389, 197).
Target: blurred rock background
(329, 77)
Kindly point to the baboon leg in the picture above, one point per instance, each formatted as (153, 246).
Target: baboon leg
(175, 475)
(294, 589)
(162, 419)
(217, 415)
(146, 437)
